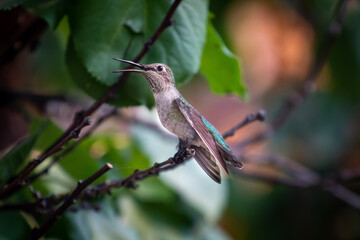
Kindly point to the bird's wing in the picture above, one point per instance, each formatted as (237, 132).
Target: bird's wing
(229, 156)
(207, 162)
(225, 152)
(196, 121)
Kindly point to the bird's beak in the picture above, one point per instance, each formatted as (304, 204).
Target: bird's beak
(132, 63)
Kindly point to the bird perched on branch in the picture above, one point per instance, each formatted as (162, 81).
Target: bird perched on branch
(180, 118)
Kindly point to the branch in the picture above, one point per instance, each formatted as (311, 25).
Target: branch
(297, 97)
(70, 148)
(45, 204)
(82, 115)
(19, 179)
(259, 116)
(301, 176)
(180, 157)
(38, 232)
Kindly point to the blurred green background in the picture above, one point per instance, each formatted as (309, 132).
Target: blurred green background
(230, 58)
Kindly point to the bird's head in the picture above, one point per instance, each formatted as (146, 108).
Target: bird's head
(159, 75)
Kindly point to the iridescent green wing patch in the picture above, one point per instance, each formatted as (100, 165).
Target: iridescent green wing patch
(215, 133)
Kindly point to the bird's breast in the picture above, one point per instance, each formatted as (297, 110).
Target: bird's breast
(172, 118)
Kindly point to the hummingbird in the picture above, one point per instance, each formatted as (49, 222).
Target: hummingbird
(183, 120)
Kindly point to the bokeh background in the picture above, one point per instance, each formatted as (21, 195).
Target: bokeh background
(276, 43)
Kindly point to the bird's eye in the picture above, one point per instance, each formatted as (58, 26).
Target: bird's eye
(160, 68)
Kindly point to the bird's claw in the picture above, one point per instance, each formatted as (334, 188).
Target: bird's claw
(183, 153)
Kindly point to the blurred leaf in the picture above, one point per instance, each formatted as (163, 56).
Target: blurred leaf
(92, 225)
(79, 164)
(153, 189)
(47, 63)
(221, 67)
(317, 133)
(102, 30)
(120, 150)
(17, 156)
(150, 226)
(51, 11)
(132, 92)
(8, 4)
(13, 226)
(172, 214)
(210, 232)
(48, 135)
(167, 220)
(345, 60)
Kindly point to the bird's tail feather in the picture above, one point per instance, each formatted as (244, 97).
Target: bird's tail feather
(228, 156)
(207, 162)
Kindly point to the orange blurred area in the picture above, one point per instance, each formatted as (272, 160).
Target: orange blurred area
(274, 44)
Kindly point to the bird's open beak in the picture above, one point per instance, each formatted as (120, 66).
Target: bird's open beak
(132, 63)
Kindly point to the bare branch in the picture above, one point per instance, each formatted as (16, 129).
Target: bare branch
(301, 176)
(259, 116)
(70, 148)
(37, 233)
(19, 179)
(130, 182)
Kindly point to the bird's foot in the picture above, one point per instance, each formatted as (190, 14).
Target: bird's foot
(190, 152)
(183, 153)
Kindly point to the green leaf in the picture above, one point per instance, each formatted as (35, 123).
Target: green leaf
(180, 46)
(132, 92)
(102, 30)
(51, 11)
(17, 156)
(80, 164)
(8, 4)
(50, 132)
(221, 67)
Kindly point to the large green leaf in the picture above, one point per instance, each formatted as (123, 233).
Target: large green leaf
(102, 30)
(17, 156)
(221, 67)
(135, 91)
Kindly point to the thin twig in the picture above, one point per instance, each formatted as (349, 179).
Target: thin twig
(82, 115)
(38, 232)
(70, 148)
(297, 97)
(19, 180)
(130, 182)
(259, 116)
(301, 176)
